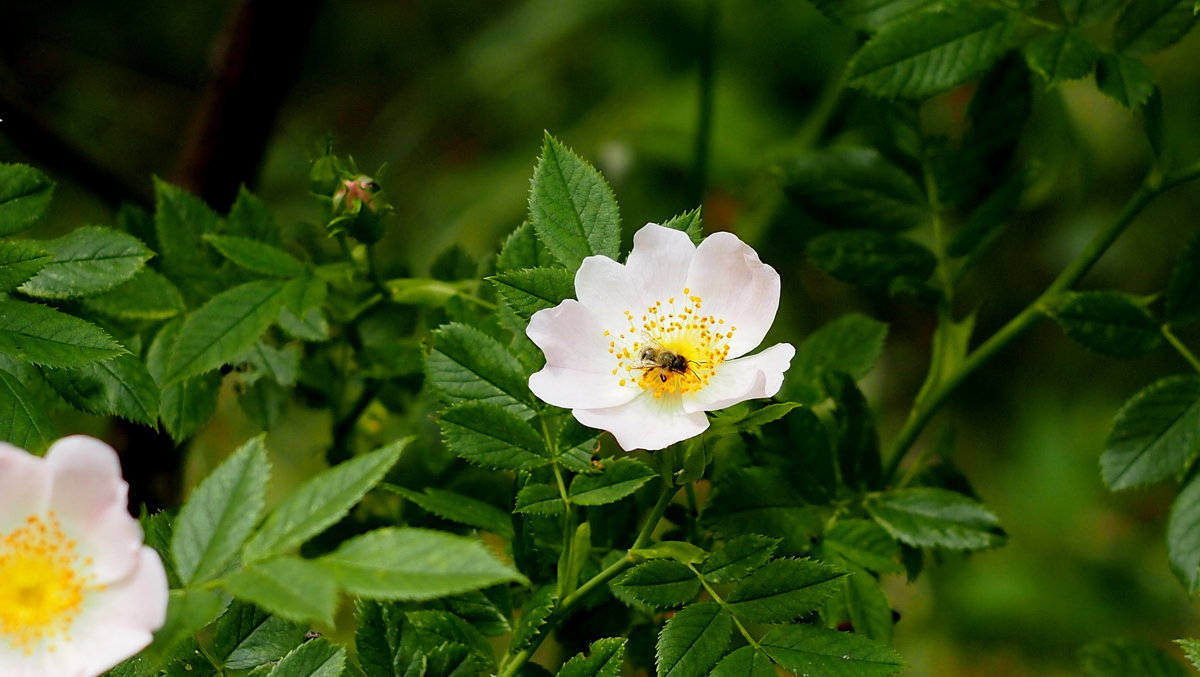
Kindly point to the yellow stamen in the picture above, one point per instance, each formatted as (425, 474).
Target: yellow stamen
(42, 582)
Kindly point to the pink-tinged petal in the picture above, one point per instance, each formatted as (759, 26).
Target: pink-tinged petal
(571, 337)
(659, 261)
(89, 498)
(646, 422)
(574, 389)
(24, 487)
(607, 289)
(737, 287)
(746, 378)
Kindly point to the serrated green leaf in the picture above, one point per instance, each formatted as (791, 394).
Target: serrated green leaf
(321, 501)
(783, 590)
(314, 658)
(145, 296)
(249, 217)
(481, 611)
(87, 261)
(456, 507)
(247, 637)
(1110, 323)
(927, 517)
(870, 14)
(1124, 79)
(870, 259)
(864, 543)
(534, 614)
(20, 261)
(187, 612)
(739, 557)
(1183, 536)
(811, 650)
(1060, 55)
(1126, 658)
(620, 478)
(539, 499)
(1183, 287)
(46, 337)
(465, 364)
(220, 514)
(1087, 12)
(866, 606)
(438, 628)
(857, 440)
(384, 649)
(180, 222)
(572, 209)
(22, 422)
(928, 52)
(852, 344)
(603, 660)
(532, 289)
(1155, 436)
(522, 249)
(659, 583)
(311, 326)
(855, 188)
(1148, 26)
(120, 387)
(487, 435)
(415, 564)
(187, 405)
(256, 256)
(224, 327)
(24, 196)
(289, 587)
(745, 662)
(280, 365)
(733, 421)
(1191, 647)
(690, 223)
(693, 640)
(304, 293)
(577, 444)
(758, 500)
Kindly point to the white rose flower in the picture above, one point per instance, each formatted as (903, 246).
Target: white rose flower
(79, 592)
(652, 344)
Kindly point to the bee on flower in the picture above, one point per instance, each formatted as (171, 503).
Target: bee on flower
(652, 344)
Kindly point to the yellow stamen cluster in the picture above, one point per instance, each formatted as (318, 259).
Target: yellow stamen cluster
(42, 584)
(679, 327)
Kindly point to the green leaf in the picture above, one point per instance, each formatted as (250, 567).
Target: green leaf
(852, 344)
(857, 440)
(145, 296)
(1183, 536)
(478, 609)
(314, 658)
(577, 444)
(867, 606)
(522, 249)
(693, 640)
(986, 221)
(1126, 658)
(188, 611)
(121, 386)
(927, 517)
(733, 421)
(572, 208)
(864, 543)
(855, 188)
(187, 405)
(1191, 647)
(603, 660)
(745, 662)
(739, 557)
(281, 366)
(312, 326)
(438, 628)
(304, 293)
(415, 564)
(421, 291)
(620, 478)
(1148, 26)
(1110, 323)
(44, 336)
(465, 364)
(869, 259)
(539, 499)
(1060, 55)
(1183, 287)
(384, 648)
(1087, 12)
(487, 435)
(532, 289)
(1155, 435)
(456, 507)
(256, 256)
(870, 14)
(249, 217)
(811, 650)
(87, 261)
(1124, 79)
(659, 583)
(220, 514)
(680, 551)
(321, 501)
(246, 637)
(23, 422)
(289, 587)
(20, 261)
(224, 327)
(24, 197)
(180, 222)
(690, 223)
(534, 615)
(929, 52)
(759, 500)
(783, 590)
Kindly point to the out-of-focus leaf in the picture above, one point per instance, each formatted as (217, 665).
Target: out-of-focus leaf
(145, 296)
(927, 517)
(87, 261)
(1124, 79)
(1183, 287)
(1110, 323)
(1148, 26)
(1155, 436)
(870, 259)
(1060, 55)
(289, 587)
(1183, 536)
(1126, 658)
(855, 188)
(24, 197)
(256, 256)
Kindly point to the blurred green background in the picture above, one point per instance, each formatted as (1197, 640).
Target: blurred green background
(454, 97)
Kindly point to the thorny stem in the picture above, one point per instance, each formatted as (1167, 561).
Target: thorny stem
(919, 417)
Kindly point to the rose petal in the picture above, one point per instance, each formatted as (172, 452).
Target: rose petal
(737, 287)
(646, 422)
(745, 378)
(24, 487)
(578, 371)
(659, 261)
(607, 289)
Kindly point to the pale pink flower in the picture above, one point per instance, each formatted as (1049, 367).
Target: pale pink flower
(79, 592)
(652, 344)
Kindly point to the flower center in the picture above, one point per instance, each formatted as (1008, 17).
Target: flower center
(41, 583)
(670, 347)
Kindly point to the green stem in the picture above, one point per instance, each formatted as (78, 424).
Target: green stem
(1179, 347)
(919, 417)
(708, 35)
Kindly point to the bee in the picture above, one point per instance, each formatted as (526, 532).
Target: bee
(666, 361)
